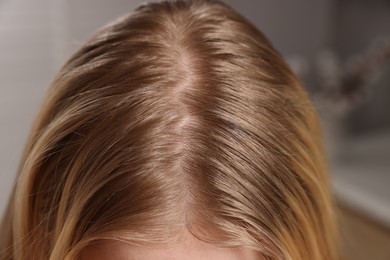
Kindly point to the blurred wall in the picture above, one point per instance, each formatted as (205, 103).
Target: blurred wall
(37, 36)
(359, 22)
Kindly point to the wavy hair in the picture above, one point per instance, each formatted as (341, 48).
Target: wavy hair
(178, 115)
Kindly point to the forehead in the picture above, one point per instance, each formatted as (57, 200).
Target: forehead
(188, 248)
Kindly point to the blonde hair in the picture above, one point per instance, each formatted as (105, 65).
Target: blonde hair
(179, 114)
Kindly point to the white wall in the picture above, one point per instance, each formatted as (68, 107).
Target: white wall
(26, 64)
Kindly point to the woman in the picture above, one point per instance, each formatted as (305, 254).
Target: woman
(175, 132)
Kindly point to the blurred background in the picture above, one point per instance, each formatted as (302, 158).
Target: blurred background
(340, 49)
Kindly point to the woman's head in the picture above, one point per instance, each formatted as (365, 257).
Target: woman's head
(180, 117)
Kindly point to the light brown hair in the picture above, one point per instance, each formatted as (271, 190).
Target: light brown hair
(180, 114)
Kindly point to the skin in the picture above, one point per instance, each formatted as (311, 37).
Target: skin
(188, 248)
